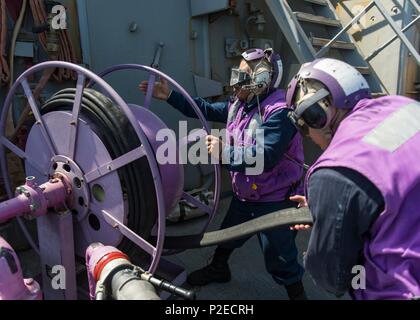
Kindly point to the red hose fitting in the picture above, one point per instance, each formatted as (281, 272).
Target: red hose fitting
(100, 265)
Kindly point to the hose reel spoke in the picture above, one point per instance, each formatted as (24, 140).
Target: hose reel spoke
(192, 200)
(75, 115)
(21, 154)
(37, 114)
(146, 246)
(115, 164)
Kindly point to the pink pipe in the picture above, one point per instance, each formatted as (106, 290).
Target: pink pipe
(35, 200)
(12, 284)
(13, 208)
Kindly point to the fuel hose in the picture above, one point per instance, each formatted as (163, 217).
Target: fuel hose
(281, 218)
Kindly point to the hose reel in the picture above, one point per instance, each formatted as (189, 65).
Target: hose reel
(105, 149)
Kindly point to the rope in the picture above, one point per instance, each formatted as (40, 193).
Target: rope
(66, 51)
(4, 66)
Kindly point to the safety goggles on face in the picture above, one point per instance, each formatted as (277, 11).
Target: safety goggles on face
(311, 111)
(239, 77)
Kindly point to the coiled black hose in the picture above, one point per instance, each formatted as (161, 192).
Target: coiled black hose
(118, 136)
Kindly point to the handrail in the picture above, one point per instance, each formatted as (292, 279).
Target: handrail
(324, 50)
(399, 32)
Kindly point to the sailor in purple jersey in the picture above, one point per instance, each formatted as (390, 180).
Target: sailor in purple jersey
(257, 104)
(364, 190)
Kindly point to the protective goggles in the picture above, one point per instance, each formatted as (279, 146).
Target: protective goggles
(239, 77)
(310, 113)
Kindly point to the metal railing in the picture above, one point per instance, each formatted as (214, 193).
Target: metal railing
(399, 32)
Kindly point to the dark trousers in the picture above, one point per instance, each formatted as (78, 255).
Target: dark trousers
(278, 245)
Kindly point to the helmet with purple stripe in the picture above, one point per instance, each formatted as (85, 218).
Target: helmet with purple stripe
(253, 54)
(274, 60)
(325, 82)
(345, 83)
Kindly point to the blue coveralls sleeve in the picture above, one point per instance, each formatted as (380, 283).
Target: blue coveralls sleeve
(217, 112)
(278, 134)
(344, 205)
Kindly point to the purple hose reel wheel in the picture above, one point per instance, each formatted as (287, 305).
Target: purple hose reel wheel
(172, 175)
(68, 142)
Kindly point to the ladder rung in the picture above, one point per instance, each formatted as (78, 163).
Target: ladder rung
(363, 70)
(320, 42)
(318, 2)
(307, 17)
